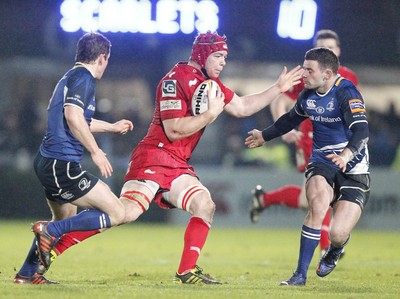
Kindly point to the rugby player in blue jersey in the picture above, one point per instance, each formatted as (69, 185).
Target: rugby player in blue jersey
(338, 172)
(70, 129)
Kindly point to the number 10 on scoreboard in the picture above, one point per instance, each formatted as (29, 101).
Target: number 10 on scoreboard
(297, 19)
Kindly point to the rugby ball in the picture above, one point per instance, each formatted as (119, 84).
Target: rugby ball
(200, 96)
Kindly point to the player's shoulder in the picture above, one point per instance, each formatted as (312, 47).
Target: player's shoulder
(344, 83)
(182, 71)
(346, 91)
(78, 75)
(348, 74)
(183, 75)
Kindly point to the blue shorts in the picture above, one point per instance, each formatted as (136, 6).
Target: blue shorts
(349, 187)
(63, 181)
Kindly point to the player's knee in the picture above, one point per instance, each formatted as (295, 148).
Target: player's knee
(135, 203)
(132, 211)
(318, 210)
(196, 198)
(208, 206)
(338, 236)
(204, 208)
(118, 216)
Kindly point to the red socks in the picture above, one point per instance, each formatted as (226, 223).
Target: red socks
(287, 195)
(324, 241)
(194, 239)
(72, 238)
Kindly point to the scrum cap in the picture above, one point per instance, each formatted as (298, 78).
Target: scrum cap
(206, 44)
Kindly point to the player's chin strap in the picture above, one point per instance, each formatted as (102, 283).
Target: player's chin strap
(203, 70)
(186, 196)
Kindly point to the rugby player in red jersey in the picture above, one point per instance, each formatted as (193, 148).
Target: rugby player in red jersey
(159, 167)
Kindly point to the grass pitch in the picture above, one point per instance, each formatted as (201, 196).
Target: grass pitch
(139, 261)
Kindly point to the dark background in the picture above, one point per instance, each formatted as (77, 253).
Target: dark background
(370, 29)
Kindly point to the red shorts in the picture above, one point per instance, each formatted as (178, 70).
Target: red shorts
(155, 164)
(304, 145)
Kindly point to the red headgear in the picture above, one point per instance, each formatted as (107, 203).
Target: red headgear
(206, 44)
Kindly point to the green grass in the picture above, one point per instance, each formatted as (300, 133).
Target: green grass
(139, 261)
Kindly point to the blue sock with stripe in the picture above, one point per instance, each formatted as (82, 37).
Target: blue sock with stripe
(86, 220)
(308, 242)
(31, 262)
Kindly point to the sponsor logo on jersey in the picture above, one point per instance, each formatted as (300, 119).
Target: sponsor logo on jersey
(170, 105)
(192, 82)
(91, 107)
(311, 104)
(169, 88)
(356, 106)
(84, 183)
(149, 171)
(74, 99)
(320, 110)
(331, 105)
(323, 119)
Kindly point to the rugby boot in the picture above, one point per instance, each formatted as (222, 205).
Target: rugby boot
(45, 242)
(195, 276)
(34, 279)
(256, 203)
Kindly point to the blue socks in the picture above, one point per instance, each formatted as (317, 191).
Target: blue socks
(31, 262)
(86, 220)
(308, 242)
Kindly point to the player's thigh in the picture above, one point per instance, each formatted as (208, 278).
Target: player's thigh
(302, 197)
(318, 191)
(101, 197)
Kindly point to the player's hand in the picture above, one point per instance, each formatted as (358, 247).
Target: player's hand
(255, 139)
(215, 103)
(342, 159)
(122, 127)
(289, 79)
(338, 160)
(99, 158)
(292, 137)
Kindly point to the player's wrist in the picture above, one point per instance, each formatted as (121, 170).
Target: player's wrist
(346, 155)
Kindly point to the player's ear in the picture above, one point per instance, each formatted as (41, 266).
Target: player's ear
(338, 51)
(328, 73)
(101, 59)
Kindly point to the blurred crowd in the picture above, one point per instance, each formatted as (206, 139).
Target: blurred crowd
(384, 137)
(22, 128)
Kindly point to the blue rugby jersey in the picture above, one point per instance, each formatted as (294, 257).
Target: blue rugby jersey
(332, 114)
(77, 88)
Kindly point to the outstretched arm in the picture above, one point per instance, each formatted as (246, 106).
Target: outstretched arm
(283, 125)
(249, 104)
(120, 127)
(255, 139)
(278, 108)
